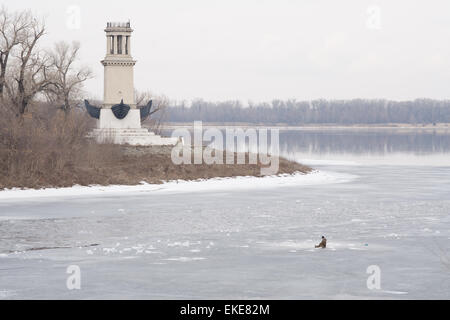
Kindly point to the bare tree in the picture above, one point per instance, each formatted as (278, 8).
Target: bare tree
(158, 113)
(32, 71)
(13, 28)
(67, 78)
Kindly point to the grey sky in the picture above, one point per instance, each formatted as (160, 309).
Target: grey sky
(261, 50)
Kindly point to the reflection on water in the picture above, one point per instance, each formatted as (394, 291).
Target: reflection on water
(369, 146)
(357, 142)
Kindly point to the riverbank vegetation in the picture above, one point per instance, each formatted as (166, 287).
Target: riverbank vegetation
(50, 149)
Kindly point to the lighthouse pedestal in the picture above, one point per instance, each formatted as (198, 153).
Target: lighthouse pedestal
(132, 137)
(127, 131)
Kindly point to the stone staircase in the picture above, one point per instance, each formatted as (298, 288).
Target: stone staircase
(134, 137)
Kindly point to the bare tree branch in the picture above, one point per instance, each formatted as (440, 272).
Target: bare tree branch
(31, 69)
(68, 79)
(13, 29)
(159, 109)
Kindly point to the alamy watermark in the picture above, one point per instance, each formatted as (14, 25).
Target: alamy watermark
(74, 280)
(73, 17)
(374, 280)
(373, 21)
(231, 146)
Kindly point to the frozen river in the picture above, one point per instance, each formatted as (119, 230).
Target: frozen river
(382, 198)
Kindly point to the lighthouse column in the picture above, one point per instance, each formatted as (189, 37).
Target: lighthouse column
(118, 78)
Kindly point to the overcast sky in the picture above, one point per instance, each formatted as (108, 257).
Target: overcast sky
(262, 49)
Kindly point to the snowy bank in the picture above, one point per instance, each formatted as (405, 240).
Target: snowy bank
(182, 186)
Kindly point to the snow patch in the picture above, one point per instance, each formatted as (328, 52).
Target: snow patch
(185, 259)
(181, 186)
(179, 244)
(395, 292)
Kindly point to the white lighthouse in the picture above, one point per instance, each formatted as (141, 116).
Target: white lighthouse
(119, 118)
(119, 65)
(119, 77)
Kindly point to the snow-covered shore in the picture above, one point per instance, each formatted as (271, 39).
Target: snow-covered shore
(182, 186)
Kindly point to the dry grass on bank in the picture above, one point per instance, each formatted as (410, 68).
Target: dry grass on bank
(162, 168)
(52, 151)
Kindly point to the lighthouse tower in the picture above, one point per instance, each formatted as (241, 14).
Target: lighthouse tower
(119, 119)
(119, 65)
(119, 77)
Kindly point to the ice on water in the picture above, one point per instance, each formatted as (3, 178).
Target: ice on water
(236, 238)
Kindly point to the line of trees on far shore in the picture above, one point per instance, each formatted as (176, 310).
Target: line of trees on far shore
(292, 112)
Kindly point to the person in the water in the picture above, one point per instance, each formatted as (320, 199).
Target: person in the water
(323, 244)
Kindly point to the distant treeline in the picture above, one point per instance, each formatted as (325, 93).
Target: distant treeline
(291, 112)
